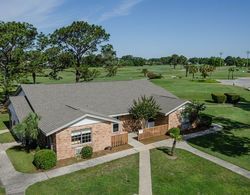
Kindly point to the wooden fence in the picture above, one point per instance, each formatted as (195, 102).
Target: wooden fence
(152, 132)
(119, 139)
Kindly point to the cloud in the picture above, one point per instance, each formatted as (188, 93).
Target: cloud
(37, 12)
(122, 10)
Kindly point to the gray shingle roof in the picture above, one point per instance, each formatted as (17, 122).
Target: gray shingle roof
(60, 104)
(21, 106)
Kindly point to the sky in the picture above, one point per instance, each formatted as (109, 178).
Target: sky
(147, 28)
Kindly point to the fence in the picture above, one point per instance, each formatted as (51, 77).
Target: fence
(152, 132)
(119, 139)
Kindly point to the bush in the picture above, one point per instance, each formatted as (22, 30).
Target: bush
(152, 75)
(45, 159)
(205, 121)
(87, 152)
(218, 98)
(144, 71)
(232, 98)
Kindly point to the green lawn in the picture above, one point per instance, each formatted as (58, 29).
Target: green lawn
(2, 191)
(21, 160)
(117, 177)
(6, 138)
(233, 143)
(190, 174)
(4, 118)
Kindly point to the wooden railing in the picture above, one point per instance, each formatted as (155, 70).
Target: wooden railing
(152, 132)
(119, 139)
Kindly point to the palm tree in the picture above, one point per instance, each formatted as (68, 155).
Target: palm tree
(175, 134)
(27, 131)
(192, 70)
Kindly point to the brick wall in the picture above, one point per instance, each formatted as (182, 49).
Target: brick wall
(174, 119)
(101, 138)
(161, 120)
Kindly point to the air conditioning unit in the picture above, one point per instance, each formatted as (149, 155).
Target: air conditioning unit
(78, 151)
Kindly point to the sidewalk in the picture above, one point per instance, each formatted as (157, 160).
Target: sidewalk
(16, 182)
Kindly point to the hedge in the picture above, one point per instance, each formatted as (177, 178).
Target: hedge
(232, 98)
(45, 159)
(87, 152)
(152, 75)
(218, 98)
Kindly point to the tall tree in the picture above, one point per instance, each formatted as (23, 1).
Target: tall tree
(15, 38)
(80, 39)
(248, 52)
(174, 60)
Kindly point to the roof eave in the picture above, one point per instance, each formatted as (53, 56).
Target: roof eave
(80, 118)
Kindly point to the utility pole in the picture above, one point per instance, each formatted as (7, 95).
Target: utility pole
(221, 53)
(248, 52)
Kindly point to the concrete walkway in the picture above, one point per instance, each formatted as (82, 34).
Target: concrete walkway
(16, 182)
(4, 131)
(145, 184)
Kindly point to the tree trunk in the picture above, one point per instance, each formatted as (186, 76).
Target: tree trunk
(193, 75)
(186, 71)
(34, 77)
(143, 123)
(78, 75)
(173, 147)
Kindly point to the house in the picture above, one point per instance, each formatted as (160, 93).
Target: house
(73, 115)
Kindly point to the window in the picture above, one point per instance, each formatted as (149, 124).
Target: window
(81, 136)
(150, 123)
(116, 125)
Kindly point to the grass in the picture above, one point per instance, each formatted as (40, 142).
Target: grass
(21, 160)
(117, 177)
(6, 138)
(233, 143)
(2, 191)
(190, 174)
(4, 118)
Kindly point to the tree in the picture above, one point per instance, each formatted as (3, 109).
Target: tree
(193, 69)
(35, 59)
(232, 70)
(57, 61)
(192, 111)
(86, 74)
(80, 39)
(204, 70)
(27, 131)
(144, 108)
(109, 60)
(15, 38)
(175, 134)
(174, 60)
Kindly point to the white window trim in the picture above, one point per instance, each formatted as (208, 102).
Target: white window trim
(82, 130)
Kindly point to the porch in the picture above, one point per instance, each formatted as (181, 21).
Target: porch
(152, 132)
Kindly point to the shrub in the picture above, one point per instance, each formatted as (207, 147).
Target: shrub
(205, 121)
(87, 152)
(218, 98)
(152, 75)
(232, 98)
(45, 159)
(144, 71)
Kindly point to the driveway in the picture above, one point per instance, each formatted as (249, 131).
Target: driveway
(241, 82)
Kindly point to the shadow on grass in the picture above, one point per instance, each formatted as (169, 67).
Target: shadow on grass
(225, 142)
(164, 149)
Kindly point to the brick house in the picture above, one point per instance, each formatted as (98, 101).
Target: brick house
(95, 113)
